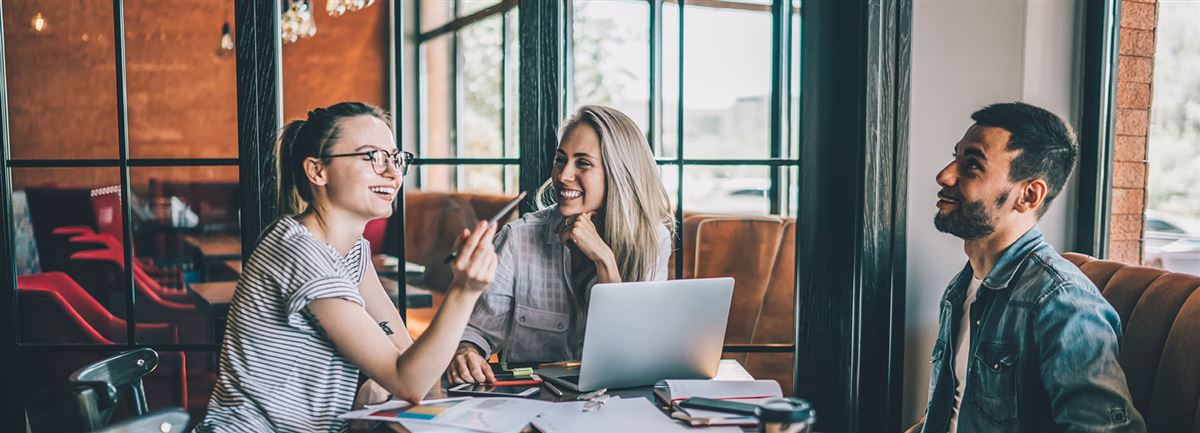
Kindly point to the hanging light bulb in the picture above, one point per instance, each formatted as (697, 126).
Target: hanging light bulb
(226, 37)
(38, 23)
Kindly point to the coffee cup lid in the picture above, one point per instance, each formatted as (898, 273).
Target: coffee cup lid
(787, 410)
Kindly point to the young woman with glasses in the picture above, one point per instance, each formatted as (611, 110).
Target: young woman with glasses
(309, 312)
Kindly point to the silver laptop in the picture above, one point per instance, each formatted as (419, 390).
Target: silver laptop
(640, 333)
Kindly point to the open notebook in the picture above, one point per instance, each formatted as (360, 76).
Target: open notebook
(731, 383)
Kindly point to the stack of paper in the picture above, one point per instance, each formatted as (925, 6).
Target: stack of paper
(488, 415)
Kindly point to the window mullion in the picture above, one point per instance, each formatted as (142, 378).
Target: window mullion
(123, 156)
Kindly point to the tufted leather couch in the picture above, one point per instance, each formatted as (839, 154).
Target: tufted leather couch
(1160, 352)
(759, 252)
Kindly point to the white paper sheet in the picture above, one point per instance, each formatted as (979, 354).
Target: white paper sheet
(490, 415)
(719, 389)
(632, 415)
(730, 369)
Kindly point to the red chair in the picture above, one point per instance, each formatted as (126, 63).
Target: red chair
(374, 232)
(106, 207)
(153, 277)
(101, 273)
(55, 310)
(99, 324)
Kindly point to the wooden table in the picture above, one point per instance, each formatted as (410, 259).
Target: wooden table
(212, 251)
(215, 293)
(214, 247)
(546, 395)
(439, 391)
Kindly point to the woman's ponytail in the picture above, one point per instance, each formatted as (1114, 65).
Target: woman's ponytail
(289, 170)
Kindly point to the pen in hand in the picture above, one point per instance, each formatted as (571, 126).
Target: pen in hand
(495, 219)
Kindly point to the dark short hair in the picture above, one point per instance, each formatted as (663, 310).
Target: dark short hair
(1047, 144)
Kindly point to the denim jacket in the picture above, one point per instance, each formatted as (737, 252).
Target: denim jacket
(1043, 353)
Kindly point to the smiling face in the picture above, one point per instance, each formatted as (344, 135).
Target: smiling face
(976, 190)
(351, 183)
(578, 173)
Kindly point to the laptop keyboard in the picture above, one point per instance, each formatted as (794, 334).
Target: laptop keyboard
(572, 378)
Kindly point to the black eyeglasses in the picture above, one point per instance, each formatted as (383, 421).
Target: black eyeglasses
(380, 158)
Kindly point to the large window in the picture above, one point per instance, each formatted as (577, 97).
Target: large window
(467, 150)
(1172, 231)
(720, 132)
(467, 72)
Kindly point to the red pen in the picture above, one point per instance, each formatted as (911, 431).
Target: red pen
(537, 381)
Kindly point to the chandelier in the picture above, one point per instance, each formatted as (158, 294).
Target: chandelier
(335, 8)
(297, 20)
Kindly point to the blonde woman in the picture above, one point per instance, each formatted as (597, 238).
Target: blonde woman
(604, 217)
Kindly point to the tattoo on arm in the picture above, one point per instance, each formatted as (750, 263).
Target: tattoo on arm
(386, 329)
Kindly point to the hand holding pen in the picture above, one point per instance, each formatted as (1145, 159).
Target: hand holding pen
(490, 223)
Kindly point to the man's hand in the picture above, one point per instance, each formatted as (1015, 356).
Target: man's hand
(469, 366)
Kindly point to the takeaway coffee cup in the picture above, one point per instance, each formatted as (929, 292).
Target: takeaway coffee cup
(785, 415)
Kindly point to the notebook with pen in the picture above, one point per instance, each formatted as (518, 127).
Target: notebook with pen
(674, 392)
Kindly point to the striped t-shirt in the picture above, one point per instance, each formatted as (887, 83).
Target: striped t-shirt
(279, 372)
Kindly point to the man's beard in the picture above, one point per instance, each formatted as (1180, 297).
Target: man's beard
(968, 221)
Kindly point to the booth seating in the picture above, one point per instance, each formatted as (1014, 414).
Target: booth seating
(759, 253)
(1160, 350)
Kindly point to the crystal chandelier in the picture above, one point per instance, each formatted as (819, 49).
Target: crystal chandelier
(297, 21)
(336, 8)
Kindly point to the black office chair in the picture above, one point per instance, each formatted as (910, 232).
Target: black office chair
(98, 388)
(170, 420)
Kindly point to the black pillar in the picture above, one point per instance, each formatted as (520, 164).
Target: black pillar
(13, 415)
(540, 86)
(850, 223)
(260, 112)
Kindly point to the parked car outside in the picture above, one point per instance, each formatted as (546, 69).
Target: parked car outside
(1172, 242)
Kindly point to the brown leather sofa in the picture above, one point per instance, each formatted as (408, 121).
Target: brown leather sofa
(759, 253)
(433, 220)
(1160, 352)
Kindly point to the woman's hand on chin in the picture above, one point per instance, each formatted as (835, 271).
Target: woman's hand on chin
(581, 231)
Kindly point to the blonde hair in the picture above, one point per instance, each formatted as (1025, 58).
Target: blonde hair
(636, 205)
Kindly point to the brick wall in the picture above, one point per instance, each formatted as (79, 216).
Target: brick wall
(1139, 18)
(181, 92)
